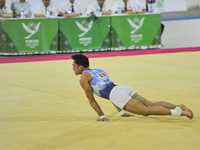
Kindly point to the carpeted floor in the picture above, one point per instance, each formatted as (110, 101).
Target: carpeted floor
(43, 107)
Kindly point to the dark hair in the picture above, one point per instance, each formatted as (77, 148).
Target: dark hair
(81, 59)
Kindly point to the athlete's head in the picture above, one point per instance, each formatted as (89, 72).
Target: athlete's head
(80, 63)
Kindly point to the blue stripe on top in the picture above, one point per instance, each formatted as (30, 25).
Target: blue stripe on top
(101, 83)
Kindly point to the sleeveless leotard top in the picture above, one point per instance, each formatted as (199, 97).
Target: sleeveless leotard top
(101, 83)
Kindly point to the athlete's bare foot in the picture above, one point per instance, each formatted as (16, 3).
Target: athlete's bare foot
(187, 113)
(183, 107)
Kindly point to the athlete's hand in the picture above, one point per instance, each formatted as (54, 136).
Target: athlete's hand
(103, 119)
(127, 115)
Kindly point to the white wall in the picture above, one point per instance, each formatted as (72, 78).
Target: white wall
(190, 3)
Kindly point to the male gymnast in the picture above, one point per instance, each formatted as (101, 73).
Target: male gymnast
(98, 82)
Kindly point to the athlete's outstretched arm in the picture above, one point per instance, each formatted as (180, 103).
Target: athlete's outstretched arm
(85, 81)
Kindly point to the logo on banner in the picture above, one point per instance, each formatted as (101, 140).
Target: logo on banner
(32, 29)
(136, 24)
(86, 27)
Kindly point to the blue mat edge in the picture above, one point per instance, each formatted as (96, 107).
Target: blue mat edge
(180, 18)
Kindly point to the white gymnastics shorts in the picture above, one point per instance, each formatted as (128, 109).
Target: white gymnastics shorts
(120, 95)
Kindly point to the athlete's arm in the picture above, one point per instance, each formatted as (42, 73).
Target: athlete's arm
(85, 81)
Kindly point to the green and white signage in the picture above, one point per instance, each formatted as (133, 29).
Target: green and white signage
(84, 33)
(135, 30)
(29, 35)
(67, 35)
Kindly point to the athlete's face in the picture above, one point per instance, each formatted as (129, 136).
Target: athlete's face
(77, 69)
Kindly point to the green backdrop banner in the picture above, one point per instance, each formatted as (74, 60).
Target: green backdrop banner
(29, 35)
(84, 33)
(1, 36)
(68, 35)
(136, 30)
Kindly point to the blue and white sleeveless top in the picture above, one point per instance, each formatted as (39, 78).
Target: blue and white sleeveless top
(101, 83)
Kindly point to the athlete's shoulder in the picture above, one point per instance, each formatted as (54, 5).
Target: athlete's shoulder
(86, 75)
(85, 78)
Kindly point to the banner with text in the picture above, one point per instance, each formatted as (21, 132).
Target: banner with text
(29, 35)
(136, 30)
(84, 33)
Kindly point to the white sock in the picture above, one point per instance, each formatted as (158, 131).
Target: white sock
(177, 111)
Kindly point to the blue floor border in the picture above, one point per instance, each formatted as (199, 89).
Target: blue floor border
(180, 18)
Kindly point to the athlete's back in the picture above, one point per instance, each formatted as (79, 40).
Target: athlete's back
(101, 83)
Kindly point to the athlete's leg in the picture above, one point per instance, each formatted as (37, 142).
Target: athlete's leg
(139, 108)
(148, 103)
(161, 103)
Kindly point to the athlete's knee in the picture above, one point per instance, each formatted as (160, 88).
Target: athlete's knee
(149, 103)
(145, 112)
